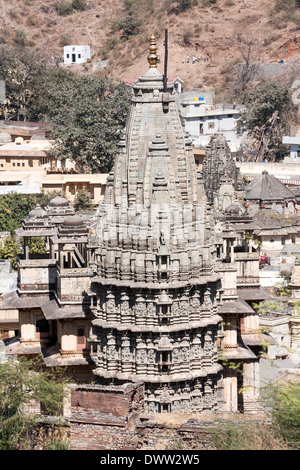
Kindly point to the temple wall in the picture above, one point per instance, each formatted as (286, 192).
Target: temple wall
(282, 171)
(73, 286)
(36, 276)
(27, 320)
(67, 333)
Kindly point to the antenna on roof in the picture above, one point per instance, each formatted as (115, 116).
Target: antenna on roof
(166, 61)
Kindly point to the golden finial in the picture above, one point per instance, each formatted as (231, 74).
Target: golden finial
(152, 57)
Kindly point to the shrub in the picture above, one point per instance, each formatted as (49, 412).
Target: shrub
(283, 400)
(83, 200)
(79, 5)
(31, 21)
(63, 8)
(20, 38)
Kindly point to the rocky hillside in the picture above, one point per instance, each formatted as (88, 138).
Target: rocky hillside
(209, 26)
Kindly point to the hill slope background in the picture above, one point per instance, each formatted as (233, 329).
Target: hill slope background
(206, 26)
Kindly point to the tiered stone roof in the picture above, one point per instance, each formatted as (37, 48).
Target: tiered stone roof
(157, 288)
(217, 164)
(268, 188)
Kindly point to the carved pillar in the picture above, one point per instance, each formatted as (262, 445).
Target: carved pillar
(183, 305)
(111, 314)
(176, 359)
(125, 308)
(197, 398)
(196, 354)
(140, 310)
(207, 305)
(151, 357)
(185, 355)
(141, 356)
(186, 398)
(208, 395)
(126, 355)
(195, 307)
(208, 349)
(111, 353)
(151, 317)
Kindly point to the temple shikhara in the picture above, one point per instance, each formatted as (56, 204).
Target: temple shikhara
(156, 289)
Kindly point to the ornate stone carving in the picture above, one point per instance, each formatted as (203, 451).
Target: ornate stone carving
(151, 309)
(141, 356)
(151, 356)
(111, 353)
(141, 308)
(155, 251)
(126, 355)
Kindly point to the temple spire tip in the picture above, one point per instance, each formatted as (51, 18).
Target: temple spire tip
(152, 57)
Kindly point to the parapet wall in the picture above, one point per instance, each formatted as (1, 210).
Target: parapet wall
(286, 172)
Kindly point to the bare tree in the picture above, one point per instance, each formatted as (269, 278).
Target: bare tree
(248, 48)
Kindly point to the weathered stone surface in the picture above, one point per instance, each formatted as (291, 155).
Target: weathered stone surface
(157, 318)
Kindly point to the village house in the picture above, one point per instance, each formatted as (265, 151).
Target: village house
(26, 130)
(294, 144)
(202, 118)
(26, 155)
(29, 166)
(76, 54)
(71, 183)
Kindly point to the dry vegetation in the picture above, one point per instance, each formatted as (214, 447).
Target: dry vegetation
(48, 25)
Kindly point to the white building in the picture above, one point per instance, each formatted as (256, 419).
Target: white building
(203, 119)
(294, 143)
(177, 82)
(76, 54)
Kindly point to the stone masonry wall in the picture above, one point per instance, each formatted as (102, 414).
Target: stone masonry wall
(111, 418)
(104, 417)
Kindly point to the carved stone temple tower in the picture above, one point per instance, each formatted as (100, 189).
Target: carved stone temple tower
(155, 312)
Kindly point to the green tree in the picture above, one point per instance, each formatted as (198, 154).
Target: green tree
(87, 115)
(10, 249)
(86, 112)
(268, 115)
(79, 5)
(184, 5)
(21, 382)
(83, 200)
(286, 5)
(130, 18)
(130, 25)
(19, 69)
(283, 402)
(64, 8)
(36, 245)
(14, 208)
